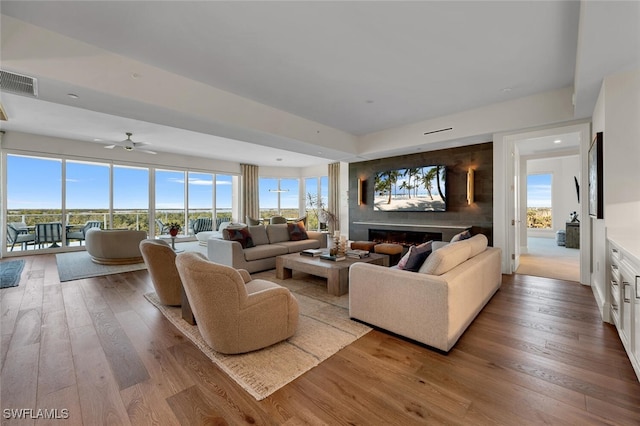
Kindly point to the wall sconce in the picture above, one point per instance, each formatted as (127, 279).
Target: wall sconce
(470, 189)
(360, 191)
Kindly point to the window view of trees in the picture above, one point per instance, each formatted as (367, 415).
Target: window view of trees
(279, 197)
(539, 206)
(130, 198)
(35, 195)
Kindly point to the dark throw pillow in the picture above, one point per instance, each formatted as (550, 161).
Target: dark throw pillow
(464, 235)
(241, 235)
(297, 232)
(417, 256)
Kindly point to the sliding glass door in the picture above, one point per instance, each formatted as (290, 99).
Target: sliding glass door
(34, 203)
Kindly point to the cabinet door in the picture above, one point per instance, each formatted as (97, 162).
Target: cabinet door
(627, 289)
(616, 298)
(636, 344)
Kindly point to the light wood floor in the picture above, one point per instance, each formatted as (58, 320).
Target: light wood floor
(537, 354)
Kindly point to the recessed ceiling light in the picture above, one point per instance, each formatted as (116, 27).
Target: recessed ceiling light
(135, 75)
(73, 95)
(278, 159)
(506, 89)
(557, 141)
(97, 140)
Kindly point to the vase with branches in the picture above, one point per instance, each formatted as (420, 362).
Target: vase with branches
(317, 206)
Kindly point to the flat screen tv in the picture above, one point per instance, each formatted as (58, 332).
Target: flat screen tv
(417, 189)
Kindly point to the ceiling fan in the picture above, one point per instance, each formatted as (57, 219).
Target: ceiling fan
(130, 145)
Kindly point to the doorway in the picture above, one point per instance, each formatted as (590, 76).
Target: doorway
(510, 160)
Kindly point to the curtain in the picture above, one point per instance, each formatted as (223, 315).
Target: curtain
(334, 196)
(250, 200)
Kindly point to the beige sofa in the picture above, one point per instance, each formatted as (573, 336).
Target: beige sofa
(434, 306)
(270, 242)
(114, 246)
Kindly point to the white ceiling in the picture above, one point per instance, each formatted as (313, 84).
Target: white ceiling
(357, 66)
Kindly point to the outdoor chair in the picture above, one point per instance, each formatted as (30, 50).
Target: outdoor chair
(161, 227)
(234, 313)
(278, 219)
(18, 233)
(202, 224)
(82, 232)
(48, 233)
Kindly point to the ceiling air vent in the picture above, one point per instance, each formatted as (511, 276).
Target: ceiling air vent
(20, 84)
(438, 131)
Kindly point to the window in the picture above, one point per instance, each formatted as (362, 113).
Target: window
(170, 207)
(539, 201)
(87, 192)
(115, 195)
(224, 199)
(130, 198)
(200, 197)
(316, 198)
(279, 197)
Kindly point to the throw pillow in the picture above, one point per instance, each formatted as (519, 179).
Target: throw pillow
(401, 264)
(259, 235)
(417, 256)
(297, 231)
(251, 221)
(241, 235)
(461, 236)
(301, 219)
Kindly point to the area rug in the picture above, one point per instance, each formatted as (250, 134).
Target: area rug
(77, 265)
(10, 273)
(324, 328)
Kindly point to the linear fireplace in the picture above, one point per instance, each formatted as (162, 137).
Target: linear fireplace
(406, 238)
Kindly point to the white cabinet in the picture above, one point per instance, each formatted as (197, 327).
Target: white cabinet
(624, 279)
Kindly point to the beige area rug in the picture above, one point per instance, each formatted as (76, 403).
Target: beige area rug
(324, 328)
(547, 259)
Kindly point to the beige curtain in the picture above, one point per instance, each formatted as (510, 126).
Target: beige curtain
(250, 200)
(334, 196)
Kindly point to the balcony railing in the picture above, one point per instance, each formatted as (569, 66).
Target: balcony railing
(122, 219)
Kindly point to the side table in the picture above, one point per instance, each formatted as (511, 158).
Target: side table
(572, 239)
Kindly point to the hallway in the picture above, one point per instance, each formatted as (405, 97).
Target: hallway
(546, 259)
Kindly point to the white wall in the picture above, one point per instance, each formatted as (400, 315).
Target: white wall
(616, 115)
(527, 112)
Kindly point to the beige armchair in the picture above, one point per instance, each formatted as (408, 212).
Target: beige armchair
(236, 314)
(161, 263)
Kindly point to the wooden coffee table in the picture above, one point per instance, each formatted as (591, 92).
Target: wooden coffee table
(336, 273)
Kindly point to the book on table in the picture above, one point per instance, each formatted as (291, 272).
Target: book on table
(333, 258)
(311, 252)
(358, 254)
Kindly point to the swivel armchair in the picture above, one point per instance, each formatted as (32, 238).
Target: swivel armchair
(234, 313)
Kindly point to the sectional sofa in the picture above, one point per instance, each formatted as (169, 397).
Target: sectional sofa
(269, 241)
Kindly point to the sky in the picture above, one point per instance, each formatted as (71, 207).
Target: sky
(36, 183)
(539, 190)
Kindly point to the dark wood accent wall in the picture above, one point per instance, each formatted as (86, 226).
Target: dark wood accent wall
(478, 215)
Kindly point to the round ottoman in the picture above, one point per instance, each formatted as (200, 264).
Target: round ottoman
(394, 251)
(363, 245)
